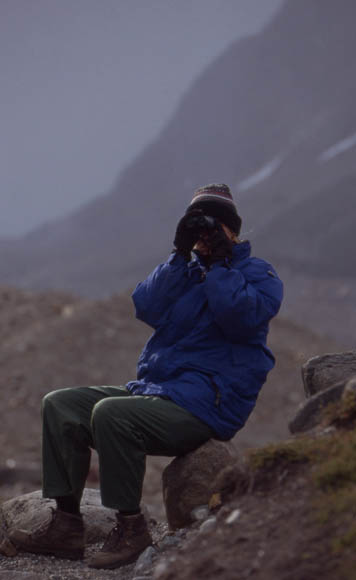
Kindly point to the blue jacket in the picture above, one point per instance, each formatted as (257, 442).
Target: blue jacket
(208, 352)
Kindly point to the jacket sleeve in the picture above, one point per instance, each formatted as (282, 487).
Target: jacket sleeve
(241, 303)
(154, 296)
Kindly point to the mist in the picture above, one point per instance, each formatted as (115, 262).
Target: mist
(86, 85)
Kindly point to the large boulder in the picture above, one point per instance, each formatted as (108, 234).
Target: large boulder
(29, 510)
(321, 372)
(188, 481)
(310, 413)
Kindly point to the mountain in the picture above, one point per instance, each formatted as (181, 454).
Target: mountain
(274, 117)
(317, 236)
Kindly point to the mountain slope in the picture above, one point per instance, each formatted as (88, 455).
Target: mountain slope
(317, 236)
(274, 117)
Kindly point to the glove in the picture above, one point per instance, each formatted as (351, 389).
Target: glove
(220, 245)
(186, 236)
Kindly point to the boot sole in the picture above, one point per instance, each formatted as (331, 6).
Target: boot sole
(113, 565)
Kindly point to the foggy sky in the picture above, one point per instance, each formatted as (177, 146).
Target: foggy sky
(86, 84)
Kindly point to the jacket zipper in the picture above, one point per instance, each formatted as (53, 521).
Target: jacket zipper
(217, 393)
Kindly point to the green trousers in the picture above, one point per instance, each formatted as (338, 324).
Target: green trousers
(122, 428)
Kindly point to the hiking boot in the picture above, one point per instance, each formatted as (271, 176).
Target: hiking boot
(124, 543)
(62, 536)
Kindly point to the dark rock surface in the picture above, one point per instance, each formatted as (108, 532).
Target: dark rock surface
(231, 480)
(310, 413)
(350, 387)
(188, 480)
(321, 372)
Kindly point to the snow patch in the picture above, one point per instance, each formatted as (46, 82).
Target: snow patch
(337, 149)
(264, 173)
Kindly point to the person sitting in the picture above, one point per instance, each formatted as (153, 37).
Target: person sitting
(198, 378)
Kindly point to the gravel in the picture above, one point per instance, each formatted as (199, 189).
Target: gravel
(25, 566)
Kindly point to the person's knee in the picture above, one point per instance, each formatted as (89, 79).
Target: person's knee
(55, 399)
(101, 412)
(111, 409)
(49, 399)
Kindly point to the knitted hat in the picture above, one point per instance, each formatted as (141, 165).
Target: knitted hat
(216, 201)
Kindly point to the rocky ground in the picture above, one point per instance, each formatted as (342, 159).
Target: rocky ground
(51, 568)
(289, 526)
(52, 340)
(295, 521)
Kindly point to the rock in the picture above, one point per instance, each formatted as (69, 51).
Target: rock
(309, 413)
(233, 480)
(187, 480)
(29, 510)
(200, 513)
(350, 387)
(7, 548)
(170, 540)
(160, 569)
(321, 372)
(233, 517)
(145, 560)
(208, 526)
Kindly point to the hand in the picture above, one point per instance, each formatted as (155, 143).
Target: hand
(220, 245)
(186, 237)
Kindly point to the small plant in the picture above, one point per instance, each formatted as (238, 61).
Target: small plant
(338, 468)
(341, 414)
(334, 476)
(299, 450)
(330, 467)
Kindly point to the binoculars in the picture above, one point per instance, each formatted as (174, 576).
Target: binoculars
(201, 222)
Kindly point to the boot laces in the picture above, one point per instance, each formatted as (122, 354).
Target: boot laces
(113, 539)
